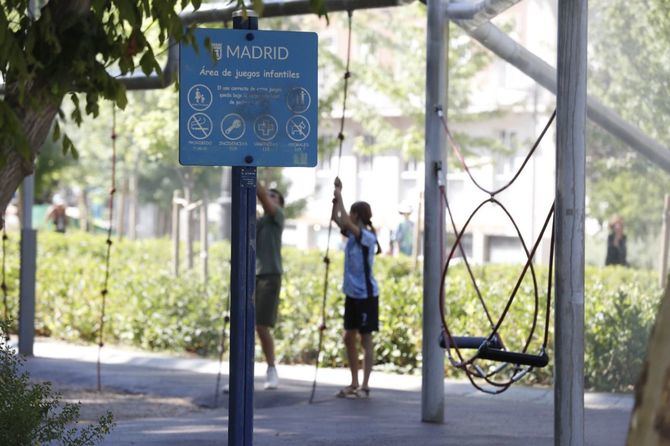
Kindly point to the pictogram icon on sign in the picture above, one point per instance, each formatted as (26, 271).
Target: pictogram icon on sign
(199, 126)
(265, 127)
(199, 97)
(297, 128)
(298, 100)
(233, 126)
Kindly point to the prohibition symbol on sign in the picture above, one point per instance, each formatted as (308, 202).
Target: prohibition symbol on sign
(199, 97)
(298, 100)
(199, 126)
(297, 128)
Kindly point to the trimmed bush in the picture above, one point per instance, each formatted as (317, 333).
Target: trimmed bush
(149, 308)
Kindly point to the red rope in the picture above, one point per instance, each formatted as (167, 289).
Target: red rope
(468, 365)
(326, 258)
(3, 284)
(105, 288)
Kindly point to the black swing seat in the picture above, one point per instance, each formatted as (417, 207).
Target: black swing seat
(487, 351)
(493, 350)
(467, 342)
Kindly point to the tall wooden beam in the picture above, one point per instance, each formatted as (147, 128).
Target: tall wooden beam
(432, 372)
(570, 212)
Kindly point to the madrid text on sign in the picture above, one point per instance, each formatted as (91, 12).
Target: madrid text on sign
(249, 100)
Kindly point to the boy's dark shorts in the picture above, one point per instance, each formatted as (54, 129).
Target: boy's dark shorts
(361, 314)
(266, 298)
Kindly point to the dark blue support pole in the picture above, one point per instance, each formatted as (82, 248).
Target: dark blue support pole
(242, 282)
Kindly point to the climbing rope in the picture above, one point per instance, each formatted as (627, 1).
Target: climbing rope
(469, 365)
(326, 258)
(105, 287)
(3, 284)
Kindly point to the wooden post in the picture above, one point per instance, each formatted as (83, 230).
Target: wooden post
(665, 243)
(121, 214)
(188, 229)
(432, 370)
(175, 233)
(133, 199)
(418, 232)
(27, 276)
(82, 204)
(570, 213)
(204, 242)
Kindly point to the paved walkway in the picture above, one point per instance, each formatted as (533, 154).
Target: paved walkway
(521, 416)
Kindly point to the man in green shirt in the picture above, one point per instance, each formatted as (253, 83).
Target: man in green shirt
(269, 229)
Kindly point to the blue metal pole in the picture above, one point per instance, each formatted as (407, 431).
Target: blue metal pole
(242, 282)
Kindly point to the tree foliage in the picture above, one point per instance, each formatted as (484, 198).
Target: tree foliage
(388, 80)
(71, 46)
(630, 71)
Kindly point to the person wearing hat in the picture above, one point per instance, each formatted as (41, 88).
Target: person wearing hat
(404, 235)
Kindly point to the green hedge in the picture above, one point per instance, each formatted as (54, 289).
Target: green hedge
(149, 308)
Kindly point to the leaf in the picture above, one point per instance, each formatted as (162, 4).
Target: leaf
(121, 99)
(56, 131)
(147, 62)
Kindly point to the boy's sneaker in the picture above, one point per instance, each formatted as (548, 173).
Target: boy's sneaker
(271, 378)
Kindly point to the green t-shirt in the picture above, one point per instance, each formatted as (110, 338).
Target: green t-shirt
(268, 243)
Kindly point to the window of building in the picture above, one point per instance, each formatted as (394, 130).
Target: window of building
(365, 162)
(410, 165)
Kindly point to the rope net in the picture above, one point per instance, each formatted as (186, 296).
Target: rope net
(497, 377)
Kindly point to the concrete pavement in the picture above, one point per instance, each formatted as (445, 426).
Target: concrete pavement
(521, 416)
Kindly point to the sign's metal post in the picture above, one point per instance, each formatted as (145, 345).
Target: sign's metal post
(249, 100)
(242, 282)
(242, 278)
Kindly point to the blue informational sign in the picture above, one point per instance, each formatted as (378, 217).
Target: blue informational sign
(249, 100)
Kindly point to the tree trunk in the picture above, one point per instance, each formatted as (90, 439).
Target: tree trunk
(36, 122)
(133, 205)
(36, 125)
(122, 204)
(650, 422)
(83, 210)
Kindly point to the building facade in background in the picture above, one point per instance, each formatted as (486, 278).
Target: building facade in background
(507, 107)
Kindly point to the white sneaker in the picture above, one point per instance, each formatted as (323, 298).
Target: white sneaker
(271, 378)
(226, 388)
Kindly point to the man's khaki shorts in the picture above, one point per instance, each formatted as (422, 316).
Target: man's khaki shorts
(267, 291)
